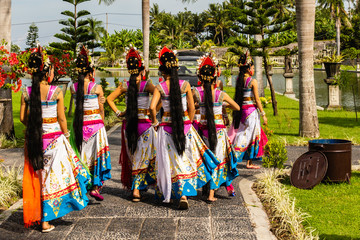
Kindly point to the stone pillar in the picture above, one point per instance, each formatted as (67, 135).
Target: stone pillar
(334, 97)
(289, 90)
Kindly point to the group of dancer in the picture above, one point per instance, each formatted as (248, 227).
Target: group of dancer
(185, 151)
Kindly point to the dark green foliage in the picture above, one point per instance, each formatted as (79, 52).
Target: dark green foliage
(275, 154)
(324, 25)
(268, 19)
(75, 30)
(32, 36)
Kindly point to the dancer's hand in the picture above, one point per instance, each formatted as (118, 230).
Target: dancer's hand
(102, 100)
(265, 120)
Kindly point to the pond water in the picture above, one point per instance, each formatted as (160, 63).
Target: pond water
(321, 88)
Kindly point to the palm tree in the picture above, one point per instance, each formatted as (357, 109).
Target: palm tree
(219, 21)
(305, 18)
(145, 24)
(6, 117)
(96, 29)
(338, 12)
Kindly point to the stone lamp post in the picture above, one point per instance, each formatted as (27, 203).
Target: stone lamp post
(332, 70)
(288, 75)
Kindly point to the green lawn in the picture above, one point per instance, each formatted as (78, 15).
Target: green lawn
(333, 124)
(333, 208)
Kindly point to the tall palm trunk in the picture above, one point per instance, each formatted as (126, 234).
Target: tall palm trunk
(338, 26)
(305, 18)
(146, 30)
(6, 113)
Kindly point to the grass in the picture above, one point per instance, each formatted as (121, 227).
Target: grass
(333, 208)
(339, 124)
(286, 220)
(10, 186)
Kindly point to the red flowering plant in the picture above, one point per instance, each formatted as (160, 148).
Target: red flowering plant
(12, 67)
(62, 62)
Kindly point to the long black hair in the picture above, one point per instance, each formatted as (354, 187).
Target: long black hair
(84, 69)
(34, 121)
(132, 103)
(170, 67)
(206, 76)
(239, 89)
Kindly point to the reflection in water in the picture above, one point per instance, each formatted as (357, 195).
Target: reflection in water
(321, 88)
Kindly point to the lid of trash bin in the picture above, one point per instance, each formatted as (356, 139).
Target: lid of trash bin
(308, 170)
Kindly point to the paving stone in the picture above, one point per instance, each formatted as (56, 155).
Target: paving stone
(194, 228)
(85, 235)
(124, 228)
(91, 225)
(229, 210)
(106, 210)
(158, 228)
(228, 224)
(195, 210)
(236, 236)
(141, 209)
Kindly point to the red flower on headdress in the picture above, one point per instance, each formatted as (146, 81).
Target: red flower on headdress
(162, 52)
(134, 53)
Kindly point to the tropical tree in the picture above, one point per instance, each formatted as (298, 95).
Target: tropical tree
(324, 26)
(75, 31)
(338, 12)
(259, 21)
(96, 29)
(32, 36)
(145, 7)
(6, 115)
(305, 17)
(218, 20)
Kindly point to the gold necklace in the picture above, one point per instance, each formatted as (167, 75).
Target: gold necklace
(44, 83)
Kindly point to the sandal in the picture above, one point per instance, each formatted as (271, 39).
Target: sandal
(253, 167)
(52, 227)
(184, 204)
(208, 201)
(95, 194)
(136, 198)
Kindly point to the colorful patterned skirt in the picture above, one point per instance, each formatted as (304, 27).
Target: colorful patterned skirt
(63, 179)
(248, 139)
(181, 175)
(226, 170)
(143, 160)
(95, 152)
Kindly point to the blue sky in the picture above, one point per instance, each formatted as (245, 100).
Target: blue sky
(28, 11)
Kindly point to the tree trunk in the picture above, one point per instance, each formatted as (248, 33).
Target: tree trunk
(6, 112)
(272, 89)
(258, 71)
(146, 30)
(338, 26)
(305, 18)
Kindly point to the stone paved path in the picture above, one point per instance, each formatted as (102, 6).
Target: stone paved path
(119, 218)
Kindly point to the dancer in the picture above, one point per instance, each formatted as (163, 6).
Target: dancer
(53, 184)
(245, 132)
(89, 135)
(183, 162)
(138, 147)
(212, 128)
